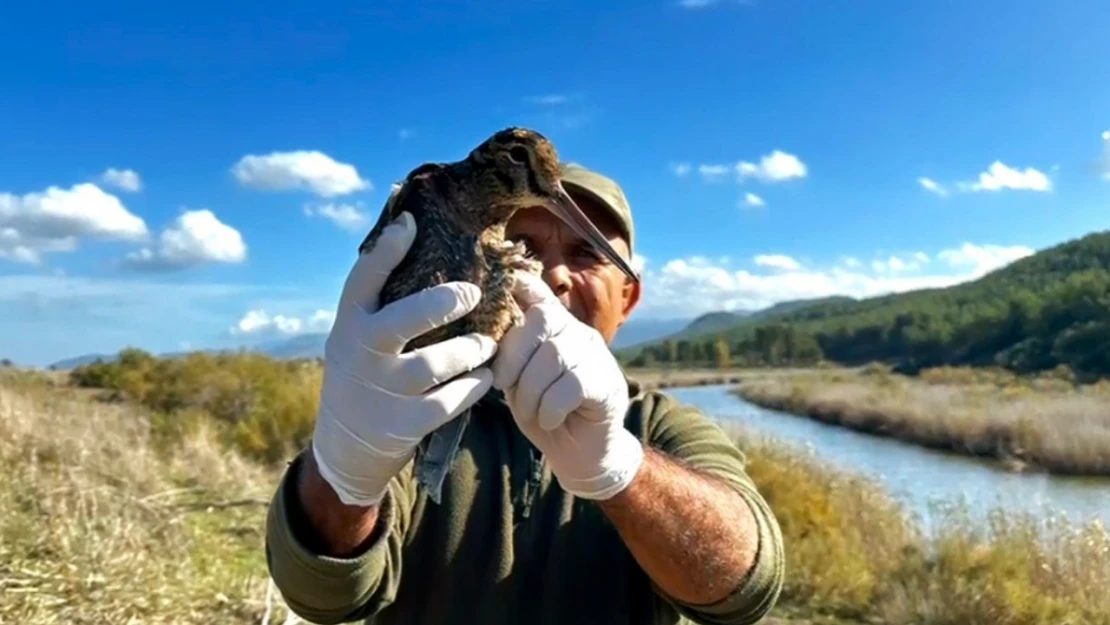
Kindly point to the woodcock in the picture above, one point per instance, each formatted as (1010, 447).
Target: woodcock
(461, 210)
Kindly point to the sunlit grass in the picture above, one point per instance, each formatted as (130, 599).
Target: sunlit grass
(1045, 422)
(113, 513)
(853, 551)
(98, 526)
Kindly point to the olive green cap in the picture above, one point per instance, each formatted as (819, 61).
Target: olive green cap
(605, 191)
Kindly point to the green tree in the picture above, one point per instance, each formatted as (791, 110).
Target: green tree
(684, 353)
(721, 356)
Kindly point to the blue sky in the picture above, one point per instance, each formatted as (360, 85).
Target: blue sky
(124, 219)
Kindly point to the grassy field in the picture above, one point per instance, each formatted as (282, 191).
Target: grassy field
(101, 521)
(111, 515)
(1044, 423)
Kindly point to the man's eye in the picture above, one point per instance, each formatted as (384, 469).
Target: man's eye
(590, 253)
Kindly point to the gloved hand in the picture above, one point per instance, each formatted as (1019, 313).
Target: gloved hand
(376, 403)
(567, 395)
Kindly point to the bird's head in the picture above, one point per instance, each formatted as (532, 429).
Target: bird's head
(518, 168)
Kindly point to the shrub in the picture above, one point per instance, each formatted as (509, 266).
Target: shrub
(262, 406)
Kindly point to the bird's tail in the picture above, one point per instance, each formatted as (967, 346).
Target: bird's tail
(437, 453)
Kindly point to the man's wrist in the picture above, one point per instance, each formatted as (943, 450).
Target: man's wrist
(324, 523)
(618, 469)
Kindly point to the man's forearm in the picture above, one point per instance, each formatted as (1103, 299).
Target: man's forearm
(333, 528)
(695, 538)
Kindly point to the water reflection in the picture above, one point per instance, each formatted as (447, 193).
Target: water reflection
(920, 477)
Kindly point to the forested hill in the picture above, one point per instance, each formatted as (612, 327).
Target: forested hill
(1045, 310)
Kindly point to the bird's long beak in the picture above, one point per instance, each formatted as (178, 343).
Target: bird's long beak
(566, 209)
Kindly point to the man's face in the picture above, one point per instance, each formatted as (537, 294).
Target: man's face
(594, 290)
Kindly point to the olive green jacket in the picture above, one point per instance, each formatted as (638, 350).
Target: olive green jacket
(507, 545)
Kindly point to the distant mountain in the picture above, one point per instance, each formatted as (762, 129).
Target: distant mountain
(783, 308)
(301, 346)
(1045, 310)
(712, 322)
(637, 331)
(634, 332)
(77, 361)
(312, 345)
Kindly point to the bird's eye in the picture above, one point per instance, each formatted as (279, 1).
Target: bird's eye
(519, 155)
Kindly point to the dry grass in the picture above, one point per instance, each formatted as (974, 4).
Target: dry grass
(98, 525)
(650, 378)
(1043, 423)
(661, 377)
(853, 553)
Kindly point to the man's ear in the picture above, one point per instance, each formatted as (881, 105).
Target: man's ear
(630, 297)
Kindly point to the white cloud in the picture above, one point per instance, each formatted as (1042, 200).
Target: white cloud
(680, 169)
(258, 322)
(638, 262)
(931, 185)
(778, 261)
(53, 220)
(899, 264)
(774, 167)
(1001, 176)
(751, 199)
(19, 248)
(321, 319)
(197, 237)
(548, 99)
(124, 179)
(982, 259)
(301, 169)
(702, 4)
(691, 286)
(713, 173)
(568, 111)
(47, 316)
(997, 177)
(777, 166)
(346, 216)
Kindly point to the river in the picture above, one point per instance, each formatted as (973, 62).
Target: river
(917, 476)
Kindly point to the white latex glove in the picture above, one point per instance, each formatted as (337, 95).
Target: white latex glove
(567, 395)
(376, 403)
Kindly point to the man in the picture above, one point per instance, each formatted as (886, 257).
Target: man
(576, 498)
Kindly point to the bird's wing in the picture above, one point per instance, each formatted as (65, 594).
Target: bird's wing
(399, 199)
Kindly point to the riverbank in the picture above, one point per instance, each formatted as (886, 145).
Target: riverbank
(855, 552)
(660, 378)
(1044, 423)
(112, 514)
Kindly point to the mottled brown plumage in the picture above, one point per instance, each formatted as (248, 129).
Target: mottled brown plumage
(461, 210)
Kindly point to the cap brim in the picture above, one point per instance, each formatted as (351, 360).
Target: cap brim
(614, 212)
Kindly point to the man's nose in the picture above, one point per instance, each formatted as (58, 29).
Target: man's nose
(556, 274)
